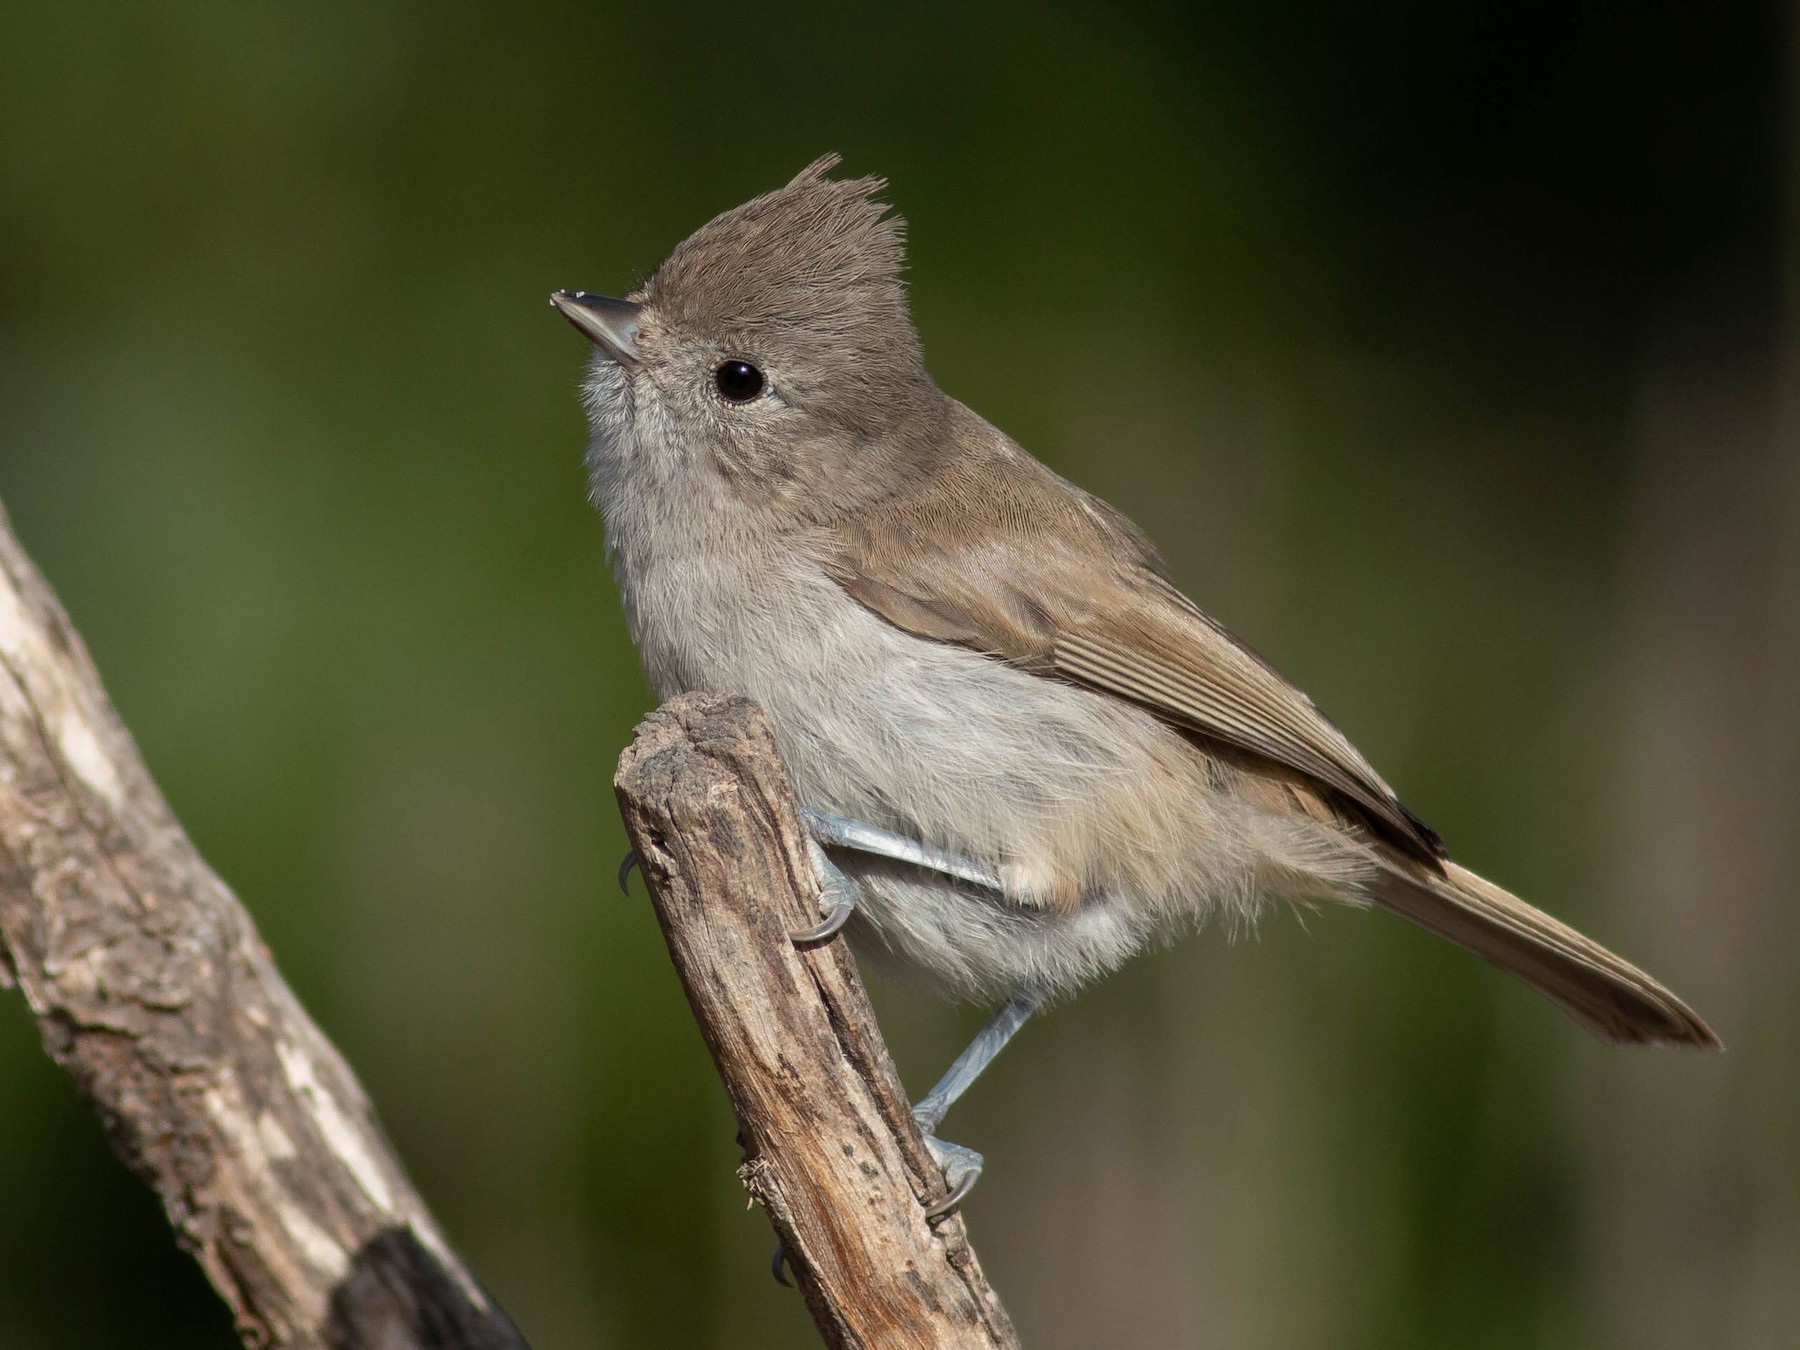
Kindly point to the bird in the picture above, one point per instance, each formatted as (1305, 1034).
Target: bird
(1022, 753)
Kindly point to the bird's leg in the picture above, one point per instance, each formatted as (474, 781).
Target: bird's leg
(827, 829)
(835, 831)
(962, 1166)
(837, 893)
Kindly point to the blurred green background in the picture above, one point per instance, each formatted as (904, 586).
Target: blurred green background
(1447, 349)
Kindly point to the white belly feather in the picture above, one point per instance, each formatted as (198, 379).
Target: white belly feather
(1042, 780)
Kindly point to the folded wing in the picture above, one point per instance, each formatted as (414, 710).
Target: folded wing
(1032, 570)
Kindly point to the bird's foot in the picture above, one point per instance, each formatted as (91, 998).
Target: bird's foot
(837, 898)
(961, 1167)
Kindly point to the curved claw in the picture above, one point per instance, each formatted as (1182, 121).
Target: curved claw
(961, 1167)
(626, 863)
(834, 921)
(957, 1194)
(776, 1262)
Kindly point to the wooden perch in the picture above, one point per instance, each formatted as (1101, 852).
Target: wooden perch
(151, 987)
(830, 1147)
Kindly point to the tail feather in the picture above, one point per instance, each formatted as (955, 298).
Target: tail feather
(1605, 993)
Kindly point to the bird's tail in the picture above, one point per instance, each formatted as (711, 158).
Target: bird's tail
(1605, 993)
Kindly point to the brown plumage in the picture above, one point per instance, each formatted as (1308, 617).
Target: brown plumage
(755, 542)
(1012, 572)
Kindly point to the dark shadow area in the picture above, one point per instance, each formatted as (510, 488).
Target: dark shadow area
(398, 1296)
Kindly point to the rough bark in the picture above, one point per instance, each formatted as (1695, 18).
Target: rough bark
(831, 1150)
(150, 985)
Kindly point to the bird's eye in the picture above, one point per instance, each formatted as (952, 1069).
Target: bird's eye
(738, 381)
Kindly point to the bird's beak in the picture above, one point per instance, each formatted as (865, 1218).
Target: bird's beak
(611, 325)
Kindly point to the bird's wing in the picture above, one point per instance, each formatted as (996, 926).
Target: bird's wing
(997, 554)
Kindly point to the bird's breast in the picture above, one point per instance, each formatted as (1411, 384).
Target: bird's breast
(1098, 818)
(943, 743)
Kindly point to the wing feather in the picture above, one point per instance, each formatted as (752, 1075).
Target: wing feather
(1029, 569)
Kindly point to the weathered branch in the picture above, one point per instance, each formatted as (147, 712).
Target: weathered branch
(151, 987)
(830, 1147)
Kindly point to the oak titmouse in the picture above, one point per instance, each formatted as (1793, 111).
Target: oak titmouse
(1061, 757)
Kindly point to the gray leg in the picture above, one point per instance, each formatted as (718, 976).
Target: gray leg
(837, 893)
(829, 828)
(962, 1166)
